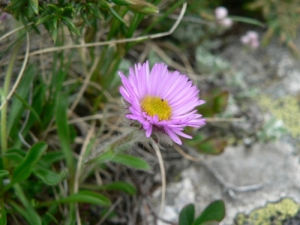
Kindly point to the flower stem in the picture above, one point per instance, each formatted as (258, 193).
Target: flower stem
(163, 176)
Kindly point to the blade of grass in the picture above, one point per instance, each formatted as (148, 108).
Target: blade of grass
(28, 213)
(16, 108)
(63, 131)
(4, 94)
(34, 113)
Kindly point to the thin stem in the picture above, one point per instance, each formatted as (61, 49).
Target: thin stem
(78, 169)
(140, 38)
(8, 96)
(14, 31)
(163, 176)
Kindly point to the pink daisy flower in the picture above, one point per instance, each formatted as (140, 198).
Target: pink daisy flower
(161, 101)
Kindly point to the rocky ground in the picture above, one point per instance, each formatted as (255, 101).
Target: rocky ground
(274, 75)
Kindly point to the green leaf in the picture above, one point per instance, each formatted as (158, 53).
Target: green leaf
(122, 2)
(106, 156)
(49, 177)
(117, 16)
(34, 5)
(220, 101)
(131, 161)
(54, 33)
(23, 171)
(38, 105)
(69, 23)
(3, 220)
(144, 7)
(86, 197)
(213, 212)
(16, 109)
(44, 19)
(29, 214)
(247, 20)
(216, 102)
(63, 130)
(54, 22)
(124, 159)
(187, 215)
(120, 186)
(95, 10)
(3, 173)
(51, 157)
(13, 5)
(34, 113)
(212, 146)
(15, 155)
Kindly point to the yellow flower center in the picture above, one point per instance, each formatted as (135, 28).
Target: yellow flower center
(157, 106)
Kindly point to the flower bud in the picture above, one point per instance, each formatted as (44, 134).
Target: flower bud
(227, 22)
(221, 12)
(142, 7)
(3, 16)
(250, 39)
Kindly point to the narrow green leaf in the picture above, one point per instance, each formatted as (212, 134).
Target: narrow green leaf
(49, 177)
(29, 214)
(16, 109)
(15, 155)
(210, 145)
(51, 157)
(44, 19)
(122, 2)
(106, 156)
(54, 33)
(3, 220)
(115, 14)
(220, 101)
(215, 211)
(48, 217)
(86, 197)
(34, 113)
(13, 5)
(247, 20)
(63, 130)
(3, 173)
(38, 103)
(121, 158)
(69, 23)
(187, 215)
(53, 7)
(34, 4)
(96, 12)
(11, 45)
(131, 161)
(23, 171)
(54, 22)
(145, 8)
(120, 186)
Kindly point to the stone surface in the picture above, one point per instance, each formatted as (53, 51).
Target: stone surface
(271, 70)
(282, 212)
(274, 165)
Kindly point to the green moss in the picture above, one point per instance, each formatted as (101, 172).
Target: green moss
(271, 214)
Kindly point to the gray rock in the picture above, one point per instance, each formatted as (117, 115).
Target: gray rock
(274, 165)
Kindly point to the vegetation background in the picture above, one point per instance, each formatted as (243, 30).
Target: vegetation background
(66, 157)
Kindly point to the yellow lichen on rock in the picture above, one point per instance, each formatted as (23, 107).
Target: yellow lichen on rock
(271, 214)
(285, 109)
